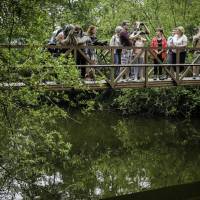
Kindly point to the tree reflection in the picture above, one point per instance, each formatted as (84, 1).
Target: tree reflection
(111, 155)
(150, 154)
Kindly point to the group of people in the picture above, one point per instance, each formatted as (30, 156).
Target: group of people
(73, 35)
(123, 38)
(170, 50)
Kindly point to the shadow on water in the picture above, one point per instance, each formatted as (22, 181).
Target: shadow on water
(179, 192)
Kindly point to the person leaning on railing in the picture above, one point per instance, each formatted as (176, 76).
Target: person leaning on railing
(65, 37)
(196, 44)
(91, 52)
(81, 39)
(179, 41)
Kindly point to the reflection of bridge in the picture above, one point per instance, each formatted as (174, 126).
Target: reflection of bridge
(104, 70)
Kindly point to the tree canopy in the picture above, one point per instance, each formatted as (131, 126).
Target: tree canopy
(36, 20)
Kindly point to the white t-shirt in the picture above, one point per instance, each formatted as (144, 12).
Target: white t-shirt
(115, 41)
(179, 41)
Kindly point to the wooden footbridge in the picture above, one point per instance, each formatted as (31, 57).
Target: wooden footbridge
(103, 71)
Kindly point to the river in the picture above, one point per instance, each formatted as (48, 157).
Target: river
(115, 155)
(122, 155)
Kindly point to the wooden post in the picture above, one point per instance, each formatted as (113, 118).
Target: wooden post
(112, 70)
(75, 55)
(146, 68)
(177, 62)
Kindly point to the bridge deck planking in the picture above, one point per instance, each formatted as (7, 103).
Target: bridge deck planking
(102, 84)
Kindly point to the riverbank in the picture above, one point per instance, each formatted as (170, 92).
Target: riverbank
(181, 102)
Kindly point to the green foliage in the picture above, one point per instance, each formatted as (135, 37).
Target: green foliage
(32, 144)
(180, 101)
(34, 21)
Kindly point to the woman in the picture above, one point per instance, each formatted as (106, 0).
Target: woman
(169, 51)
(170, 44)
(159, 45)
(139, 41)
(91, 32)
(179, 41)
(115, 41)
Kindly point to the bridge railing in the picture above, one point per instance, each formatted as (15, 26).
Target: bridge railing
(176, 76)
(104, 65)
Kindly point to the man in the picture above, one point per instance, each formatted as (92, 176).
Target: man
(125, 42)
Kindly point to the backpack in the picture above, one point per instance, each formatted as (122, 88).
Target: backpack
(54, 51)
(52, 40)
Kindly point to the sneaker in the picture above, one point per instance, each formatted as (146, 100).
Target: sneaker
(165, 76)
(196, 76)
(132, 78)
(127, 79)
(155, 77)
(142, 79)
(161, 77)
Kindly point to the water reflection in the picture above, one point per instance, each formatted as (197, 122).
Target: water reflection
(124, 155)
(112, 155)
(49, 180)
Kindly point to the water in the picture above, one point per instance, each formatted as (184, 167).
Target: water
(113, 155)
(120, 155)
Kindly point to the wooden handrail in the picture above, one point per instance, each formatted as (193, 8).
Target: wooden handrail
(138, 65)
(90, 46)
(111, 80)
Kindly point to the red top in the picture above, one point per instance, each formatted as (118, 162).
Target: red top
(154, 44)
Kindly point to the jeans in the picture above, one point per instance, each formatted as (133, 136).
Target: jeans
(182, 57)
(137, 71)
(117, 60)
